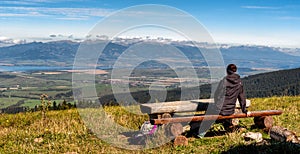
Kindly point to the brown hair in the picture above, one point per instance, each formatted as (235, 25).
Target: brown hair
(231, 68)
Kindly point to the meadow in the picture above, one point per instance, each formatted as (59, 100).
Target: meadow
(67, 131)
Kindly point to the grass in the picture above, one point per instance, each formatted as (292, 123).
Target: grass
(290, 106)
(70, 131)
(31, 103)
(5, 102)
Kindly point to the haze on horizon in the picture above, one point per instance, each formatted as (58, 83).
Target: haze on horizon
(268, 22)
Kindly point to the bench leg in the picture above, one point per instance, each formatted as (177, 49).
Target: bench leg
(265, 122)
(173, 129)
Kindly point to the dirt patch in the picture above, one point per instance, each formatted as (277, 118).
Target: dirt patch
(97, 72)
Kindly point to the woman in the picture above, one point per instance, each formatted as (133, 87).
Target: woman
(229, 90)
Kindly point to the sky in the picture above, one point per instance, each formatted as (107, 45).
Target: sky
(255, 22)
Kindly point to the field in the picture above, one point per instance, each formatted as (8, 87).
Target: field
(5, 102)
(25, 89)
(65, 132)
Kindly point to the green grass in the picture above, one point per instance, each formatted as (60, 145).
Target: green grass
(65, 131)
(35, 92)
(290, 106)
(5, 102)
(31, 103)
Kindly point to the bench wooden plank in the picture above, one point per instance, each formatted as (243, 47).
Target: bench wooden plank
(180, 106)
(214, 117)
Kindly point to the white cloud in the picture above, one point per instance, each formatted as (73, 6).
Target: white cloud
(66, 13)
(289, 18)
(26, 2)
(11, 15)
(73, 18)
(75, 12)
(3, 38)
(57, 13)
(260, 7)
(275, 40)
(31, 14)
(17, 2)
(5, 41)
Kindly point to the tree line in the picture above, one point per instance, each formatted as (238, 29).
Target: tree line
(278, 83)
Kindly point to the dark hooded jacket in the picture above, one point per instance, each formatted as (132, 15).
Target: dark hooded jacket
(229, 90)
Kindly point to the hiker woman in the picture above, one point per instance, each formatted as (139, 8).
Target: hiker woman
(229, 90)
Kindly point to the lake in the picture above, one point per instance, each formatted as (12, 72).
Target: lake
(27, 68)
(32, 68)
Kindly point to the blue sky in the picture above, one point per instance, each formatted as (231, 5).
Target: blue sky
(261, 22)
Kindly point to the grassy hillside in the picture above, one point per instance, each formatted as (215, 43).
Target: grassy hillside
(64, 131)
(277, 83)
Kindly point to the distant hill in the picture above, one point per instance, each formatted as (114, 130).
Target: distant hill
(51, 53)
(259, 57)
(57, 51)
(63, 52)
(35, 52)
(278, 83)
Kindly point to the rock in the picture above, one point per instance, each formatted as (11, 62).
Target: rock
(257, 136)
(38, 140)
(180, 141)
(281, 134)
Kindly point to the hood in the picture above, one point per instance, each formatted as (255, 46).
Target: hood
(233, 78)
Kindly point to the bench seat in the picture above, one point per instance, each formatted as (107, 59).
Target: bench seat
(180, 106)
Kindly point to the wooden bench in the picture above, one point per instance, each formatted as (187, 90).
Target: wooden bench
(169, 113)
(157, 110)
(169, 109)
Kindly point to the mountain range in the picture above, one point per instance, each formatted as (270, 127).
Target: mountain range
(62, 53)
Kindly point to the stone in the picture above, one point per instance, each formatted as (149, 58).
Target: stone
(257, 136)
(181, 141)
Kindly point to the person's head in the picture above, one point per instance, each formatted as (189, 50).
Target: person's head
(231, 68)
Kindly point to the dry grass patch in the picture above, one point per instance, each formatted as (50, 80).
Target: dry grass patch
(69, 131)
